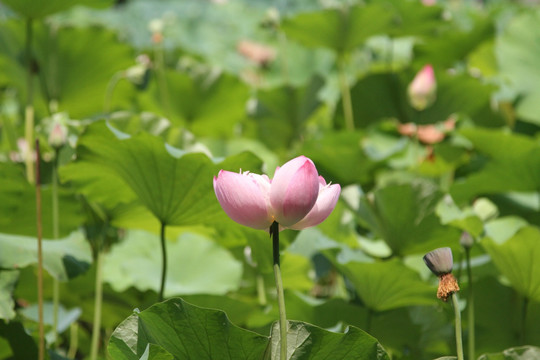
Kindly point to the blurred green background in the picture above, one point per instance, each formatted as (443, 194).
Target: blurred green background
(157, 96)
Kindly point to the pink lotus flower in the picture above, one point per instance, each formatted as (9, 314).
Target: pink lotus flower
(296, 198)
(422, 90)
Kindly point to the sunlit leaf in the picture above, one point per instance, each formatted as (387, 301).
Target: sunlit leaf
(8, 280)
(305, 341)
(133, 262)
(416, 230)
(187, 331)
(63, 259)
(387, 285)
(517, 259)
(517, 353)
(339, 29)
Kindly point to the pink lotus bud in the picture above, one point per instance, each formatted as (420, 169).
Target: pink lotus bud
(244, 197)
(58, 134)
(422, 90)
(296, 198)
(294, 190)
(326, 202)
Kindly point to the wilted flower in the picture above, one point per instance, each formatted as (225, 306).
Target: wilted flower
(297, 197)
(422, 90)
(440, 262)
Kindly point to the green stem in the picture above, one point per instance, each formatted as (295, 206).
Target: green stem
(274, 232)
(459, 343)
(110, 90)
(29, 109)
(163, 89)
(470, 305)
(40, 258)
(283, 57)
(261, 290)
(98, 301)
(163, 263)
(55, 217)
(73, 340)
(523, 334)
(369, 319)
(345, 95)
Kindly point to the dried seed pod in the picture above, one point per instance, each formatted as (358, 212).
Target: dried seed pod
(439, 261)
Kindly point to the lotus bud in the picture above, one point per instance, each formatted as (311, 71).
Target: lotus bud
(296, 198)
(440, 262)
(422, 90)
(466, 240)
(58, 130)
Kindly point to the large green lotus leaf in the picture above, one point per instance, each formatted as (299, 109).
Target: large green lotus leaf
(416, 230)
(346, 163)
(75, 66)
(495, 333)
(87, 60)
(306, 341)
(174, 185)
(37, 9)
(513, 165)
(8, 280)
(187, 331)
(63, 259)
(517, 260)
(133, 262)
(517, 51)
(19, 210)
(21, 343)
(411, 18)
(339, 29)
(207, 106)
(448, 47)
(323, 313)
(387, 285)
(516, 353)
(282, 112)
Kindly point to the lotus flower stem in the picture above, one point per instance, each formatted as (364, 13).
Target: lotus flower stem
(98, 301)
(274, 232)
(110, 90)
(73, 340)
(29, 108)
(522, 335)
(470, 305)
(163, 263)
(459, 343)
(55, 226)
(41, 353)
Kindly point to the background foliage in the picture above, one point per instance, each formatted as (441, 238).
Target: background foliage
(158, 96)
